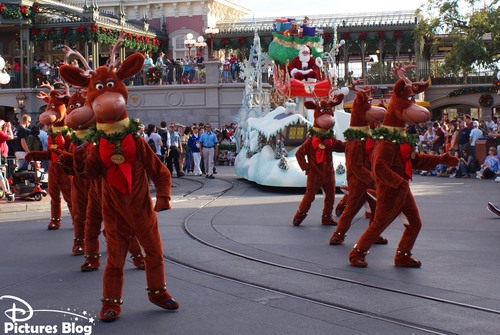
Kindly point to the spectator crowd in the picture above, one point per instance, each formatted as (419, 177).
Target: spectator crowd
(459, 137)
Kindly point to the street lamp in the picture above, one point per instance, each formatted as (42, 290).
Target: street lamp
(201, 44)
(21, 103)
(189, 43)
(211, 32)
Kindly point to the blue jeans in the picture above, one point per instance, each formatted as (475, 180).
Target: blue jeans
(188, 155)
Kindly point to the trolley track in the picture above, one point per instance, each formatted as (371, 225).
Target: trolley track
(321, 302)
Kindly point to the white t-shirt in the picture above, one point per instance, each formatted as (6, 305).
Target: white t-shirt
(156, 138)
(474, 135)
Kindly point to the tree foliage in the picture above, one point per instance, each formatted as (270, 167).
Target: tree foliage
(470, 27)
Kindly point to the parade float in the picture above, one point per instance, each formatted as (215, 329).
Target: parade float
(267, 138)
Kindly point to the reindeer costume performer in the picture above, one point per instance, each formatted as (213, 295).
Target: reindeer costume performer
(358, 151)
(59, 181)
(125, 161)
(318, 148)
(393, 161)
(86, 194)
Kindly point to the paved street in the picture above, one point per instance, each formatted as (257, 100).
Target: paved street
(236, 265)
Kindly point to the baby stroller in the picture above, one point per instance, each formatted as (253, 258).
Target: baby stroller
(25, 183)
(5, 190)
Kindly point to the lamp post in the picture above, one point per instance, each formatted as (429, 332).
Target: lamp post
(21, 103)
(189, 43)
(211, 32)
(201, 44)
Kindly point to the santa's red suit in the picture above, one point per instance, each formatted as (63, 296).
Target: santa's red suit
(304, 67)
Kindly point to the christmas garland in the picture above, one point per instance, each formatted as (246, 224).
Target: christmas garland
(154, 75)
(353, 134)
(321, 136)
(384, 134)
(496, 82)
(472, 90)
(53, 135)
(486, 100)
(95, 135)
(20, 11)
(98, 34)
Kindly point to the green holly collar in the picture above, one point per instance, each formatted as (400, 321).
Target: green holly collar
(321, 136)
(385, 134)
(95, 135)
(355, 134)
(58, 131)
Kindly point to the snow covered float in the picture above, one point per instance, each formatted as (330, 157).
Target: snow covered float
(268, 140)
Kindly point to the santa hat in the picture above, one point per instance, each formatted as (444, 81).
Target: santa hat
(305, 48)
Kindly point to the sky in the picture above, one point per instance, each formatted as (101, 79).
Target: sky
(299, 8)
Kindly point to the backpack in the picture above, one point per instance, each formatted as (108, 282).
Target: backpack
(152, 145)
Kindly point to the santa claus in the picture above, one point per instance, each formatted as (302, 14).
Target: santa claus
(304, 67)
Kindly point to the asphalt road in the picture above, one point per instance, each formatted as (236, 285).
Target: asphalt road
(236, 265)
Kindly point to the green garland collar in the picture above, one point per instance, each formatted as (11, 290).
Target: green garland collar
(321, 136)
(79, 141)
(95, 135)
(384, 134)
(354, 134)
(53, 134)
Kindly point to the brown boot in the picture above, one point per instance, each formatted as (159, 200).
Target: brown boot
(78, 246)
(337, 238)
(55, 223)
(404, 259)
(162, 298)
(327, 220)
(110, 309)
(91, 263)
(138, 261)
(357, 257)
(298, 218)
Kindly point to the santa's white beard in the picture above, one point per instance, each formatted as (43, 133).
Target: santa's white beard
(304, 59)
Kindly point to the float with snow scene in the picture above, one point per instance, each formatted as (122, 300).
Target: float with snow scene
(268, 139)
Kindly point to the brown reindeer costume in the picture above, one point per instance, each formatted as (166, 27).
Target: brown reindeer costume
(318, 149)
(393, 161)
(59, 181)
(358, 150)
(86, 194)
(124, 161)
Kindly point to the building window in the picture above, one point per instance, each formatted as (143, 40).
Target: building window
(180, 51)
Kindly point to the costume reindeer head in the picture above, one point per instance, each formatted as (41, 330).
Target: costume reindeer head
(80, 115)
(323, 111)
(56, 101)
(362, 111)
(106, 92)
(402, 107)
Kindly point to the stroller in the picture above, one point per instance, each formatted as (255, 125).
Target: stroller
(25, 184)
(5, 191)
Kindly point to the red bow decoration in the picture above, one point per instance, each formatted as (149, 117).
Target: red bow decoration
(35, 31)
(405, 151)
(369, 145)
(60, 141)
(320, 153)
(80, 29)
(64, 30)
(119, 175)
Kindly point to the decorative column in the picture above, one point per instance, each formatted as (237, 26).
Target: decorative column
(362, 46)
